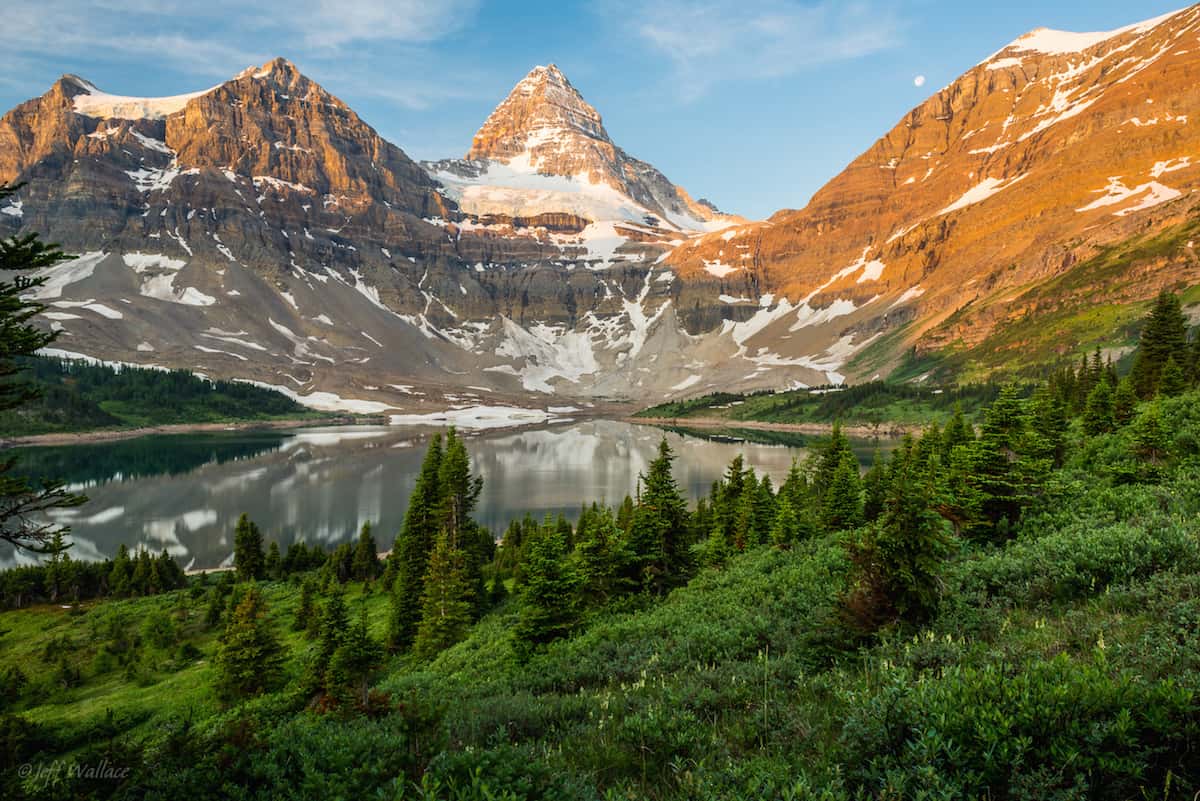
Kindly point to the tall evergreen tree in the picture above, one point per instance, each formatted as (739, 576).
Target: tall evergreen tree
(957, 433)
(354, 663)
(249, 659)
(56, 570)
(548, 596)
(23, 503)
(1164, 336)
(1151, 440)
(830, 460)
(842, 506)
(875, 484)
(658, 531)
(366, 555)
(1098, 415)
(1124, 402)
(307, 608)
(1172, 381)
(248, 557)
(602, 559)
(331, 633)
(412, 548)
(121, 573)
(273, 564)
(1002, 477)
(448, 600)
(899, 561)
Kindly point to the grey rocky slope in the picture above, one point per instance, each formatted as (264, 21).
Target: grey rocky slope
(261, 230)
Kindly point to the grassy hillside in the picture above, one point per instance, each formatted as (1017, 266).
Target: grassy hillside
(874, 404)
(1098, 303)
(1061, 663)
(76, 396)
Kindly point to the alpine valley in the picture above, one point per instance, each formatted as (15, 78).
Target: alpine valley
(260, 230)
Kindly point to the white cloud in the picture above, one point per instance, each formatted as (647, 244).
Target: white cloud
(217, 37)
(712, 40)
(919, 81)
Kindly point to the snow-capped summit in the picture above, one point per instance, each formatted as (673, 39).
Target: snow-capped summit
(543, 153)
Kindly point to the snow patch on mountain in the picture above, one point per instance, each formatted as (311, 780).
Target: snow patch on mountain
(95, 103)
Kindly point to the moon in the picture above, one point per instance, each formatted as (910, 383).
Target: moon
(919, 81)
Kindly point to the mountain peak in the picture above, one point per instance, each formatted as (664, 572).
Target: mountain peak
(278, 68)
(543, 107)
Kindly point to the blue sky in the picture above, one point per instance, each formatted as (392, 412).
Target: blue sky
(753, 104)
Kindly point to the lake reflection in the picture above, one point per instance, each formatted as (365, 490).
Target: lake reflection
(185, 492)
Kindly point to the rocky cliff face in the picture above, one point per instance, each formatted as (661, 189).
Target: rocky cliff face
(261, 230)
(952, 225)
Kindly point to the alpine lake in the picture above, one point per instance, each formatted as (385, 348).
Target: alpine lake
(185, 492)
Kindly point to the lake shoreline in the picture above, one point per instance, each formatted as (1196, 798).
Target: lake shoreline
(113, 434)
(881, 431)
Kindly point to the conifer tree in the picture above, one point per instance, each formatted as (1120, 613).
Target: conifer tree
(306, 609)
(1048, 422)
(831, 458)
(795, 487)
(1164, 336)
(1172, 381)
(447, 602)
(1001, 477)
(1098, 415)
(727, 502)
(248, 556)
(139, 580)
(899, 560)
(785, 529)
(602, 560)
(412, 550)
(842, 506)
(355, 662)
(625, 514)
(874, 489)
(1124, 402)
(26, 263)
(331, 632)
(459, 491)
(249, 659)
(1151, 440)
(366, 555)
(658, 531)
(273, 565)
(548, 596)
(56, 570)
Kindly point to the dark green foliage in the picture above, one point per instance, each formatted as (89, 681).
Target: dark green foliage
(248, 556)
(24, 503)
(249, 660)
(330, 630)
(355, 662)
(1124, 402)
(447, 600)
(306, 610)
(412, 549)
(602, 557)
(1099, 416)
(366, 555)
(549, 591)
(77, 396)
(1172, 381)
(842, 505)
(658, 531)
(899, 559)
(1163, 338)
(273, 564)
